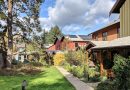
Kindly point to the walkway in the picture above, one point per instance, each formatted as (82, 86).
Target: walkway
(79, 85)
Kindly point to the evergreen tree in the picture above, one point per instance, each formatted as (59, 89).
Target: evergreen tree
(22, 16)
(50, 36)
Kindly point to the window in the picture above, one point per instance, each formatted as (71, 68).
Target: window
(76, 45)
(104, 36)
(118, 32)
(96, 37)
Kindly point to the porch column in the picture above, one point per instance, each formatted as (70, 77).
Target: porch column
(101, 63)
(87, 57)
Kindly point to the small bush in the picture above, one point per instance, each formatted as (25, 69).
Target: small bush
(78, 71)
(58, 59)
(36, 64)
(26, 69)
(68, 67)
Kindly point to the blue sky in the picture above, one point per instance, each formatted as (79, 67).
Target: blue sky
(76, 17)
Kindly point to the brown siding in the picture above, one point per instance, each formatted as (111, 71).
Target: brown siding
(111, 33)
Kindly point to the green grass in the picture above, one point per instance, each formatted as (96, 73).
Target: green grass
(49, 79)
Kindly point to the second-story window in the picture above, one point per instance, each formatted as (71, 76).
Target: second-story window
(104, 36)
(76, 45)
(96, 37)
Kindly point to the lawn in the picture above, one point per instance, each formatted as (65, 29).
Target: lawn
(49, 79)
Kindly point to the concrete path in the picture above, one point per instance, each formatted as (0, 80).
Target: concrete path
(79, 85)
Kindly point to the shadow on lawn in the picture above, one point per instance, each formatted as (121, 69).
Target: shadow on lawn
(45, 80)
(59, 84)
(15, 82)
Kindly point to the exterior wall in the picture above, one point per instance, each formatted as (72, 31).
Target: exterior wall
(82, 43)
(70, 45)
(52, 47)
(111, 33)
(57, 45)
(125, 19)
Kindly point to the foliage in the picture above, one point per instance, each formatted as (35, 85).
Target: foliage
(121, 68)
(78, 71)
(67, 66)
(49, 37)
(58, 59)
(76, 57)
(36, 64)
(91, 74)
(122, 77)
(20, 69)
(20, 17)
(30, 9)
(83, 71)
(107, 85)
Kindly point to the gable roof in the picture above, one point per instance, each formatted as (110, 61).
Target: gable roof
(117, 6)
(78, 37)
(85, 37)
(109, 25)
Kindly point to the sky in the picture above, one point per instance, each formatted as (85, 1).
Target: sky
(77, 17)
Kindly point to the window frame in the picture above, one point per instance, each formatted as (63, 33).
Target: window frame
(104, 36)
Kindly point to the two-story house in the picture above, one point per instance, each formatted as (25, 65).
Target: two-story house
(107, 33)
(105, 44)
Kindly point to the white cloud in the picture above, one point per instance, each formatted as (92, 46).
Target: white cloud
(72, 15)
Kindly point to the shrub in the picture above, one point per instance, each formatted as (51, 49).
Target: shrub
(122, 77)
(121, 68)
(36, 64)
(68, 67)
(107, 85)
(58, 58)
(78, 71)
(75, 57)
(90, 74)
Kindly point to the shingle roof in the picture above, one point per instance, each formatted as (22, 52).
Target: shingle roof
(120, 42)
(108, 25)
(85, 37)
(78, 37)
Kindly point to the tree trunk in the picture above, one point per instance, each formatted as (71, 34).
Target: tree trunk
(9, 39)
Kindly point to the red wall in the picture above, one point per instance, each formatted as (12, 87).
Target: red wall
(57, 44)
(71, 45)
(62, 45)
(53, 47)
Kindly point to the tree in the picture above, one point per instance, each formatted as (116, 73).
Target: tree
(49, 37)
(22, 17)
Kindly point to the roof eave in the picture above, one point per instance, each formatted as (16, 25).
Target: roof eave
(117, 6)
(99, 48)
